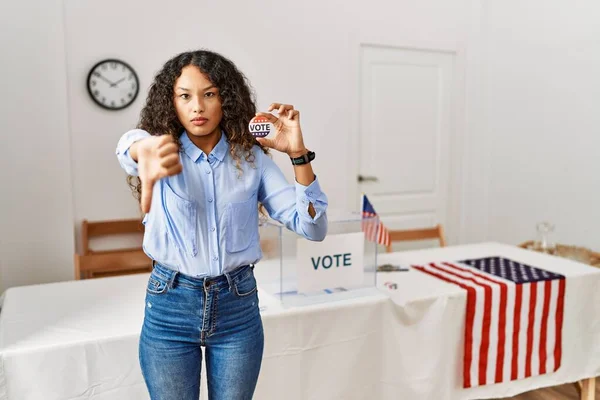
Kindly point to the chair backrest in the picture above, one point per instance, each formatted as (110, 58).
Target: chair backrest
(437, 232)
(112, 263)
(120, 261)
(95, 229)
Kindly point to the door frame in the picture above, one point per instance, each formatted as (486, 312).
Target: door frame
(454, 228)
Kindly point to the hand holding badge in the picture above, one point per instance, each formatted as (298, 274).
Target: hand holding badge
(285, 131)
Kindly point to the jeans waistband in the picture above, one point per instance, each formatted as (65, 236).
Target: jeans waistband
(226, 279)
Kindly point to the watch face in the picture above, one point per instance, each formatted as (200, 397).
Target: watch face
(113, 84)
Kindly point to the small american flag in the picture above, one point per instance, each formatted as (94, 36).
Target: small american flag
(514, 318)
(374, 229)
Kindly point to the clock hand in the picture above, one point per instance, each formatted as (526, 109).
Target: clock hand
(117, 82)
(105, 80)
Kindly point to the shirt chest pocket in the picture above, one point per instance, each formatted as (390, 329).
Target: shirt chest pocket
(181, 221)
(242, 225)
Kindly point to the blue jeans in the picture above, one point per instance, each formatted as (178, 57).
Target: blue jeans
(184, 313)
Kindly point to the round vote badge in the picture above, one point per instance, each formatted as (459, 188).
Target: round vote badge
(260, 126)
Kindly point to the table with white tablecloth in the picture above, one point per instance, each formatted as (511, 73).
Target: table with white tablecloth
(424, 327)
(79, 339)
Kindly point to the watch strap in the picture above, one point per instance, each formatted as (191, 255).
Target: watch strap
(304, 159)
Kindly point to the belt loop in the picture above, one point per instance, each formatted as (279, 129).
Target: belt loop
(172, 279)
(229, 281)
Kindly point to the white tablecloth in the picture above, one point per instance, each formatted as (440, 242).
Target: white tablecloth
(78, 340)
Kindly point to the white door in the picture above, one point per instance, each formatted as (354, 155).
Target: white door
(406, 127)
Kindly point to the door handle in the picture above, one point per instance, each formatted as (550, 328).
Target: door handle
(367, 178)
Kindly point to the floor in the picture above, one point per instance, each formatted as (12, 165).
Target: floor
(563, 392)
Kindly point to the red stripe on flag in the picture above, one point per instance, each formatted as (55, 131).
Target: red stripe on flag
(485, 335)
(532, 304)
(501, 319)
(501, 332)
(544, 331)
(485, 326)
(469, 319)
(516, 327)
(559, 323)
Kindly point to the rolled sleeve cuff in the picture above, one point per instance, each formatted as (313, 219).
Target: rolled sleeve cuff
(310, 194)
(122, 151)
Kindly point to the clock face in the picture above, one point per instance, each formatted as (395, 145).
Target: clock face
(113, 84)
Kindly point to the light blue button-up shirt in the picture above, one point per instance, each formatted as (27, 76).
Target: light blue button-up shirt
(204, 221)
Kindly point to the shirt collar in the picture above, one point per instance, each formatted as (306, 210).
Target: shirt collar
(193, 152)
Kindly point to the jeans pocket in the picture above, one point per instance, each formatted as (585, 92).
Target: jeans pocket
(181, 218)
(242, 225)
(245, 285)
(156, 285)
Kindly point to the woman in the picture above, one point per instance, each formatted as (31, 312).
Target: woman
(200, 176)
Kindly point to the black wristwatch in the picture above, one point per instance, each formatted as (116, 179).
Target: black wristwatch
(305, 159)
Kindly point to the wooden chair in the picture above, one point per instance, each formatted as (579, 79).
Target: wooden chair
(101, 263)
(436, 232)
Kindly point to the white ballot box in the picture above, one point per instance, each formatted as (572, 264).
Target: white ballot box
(300, 272)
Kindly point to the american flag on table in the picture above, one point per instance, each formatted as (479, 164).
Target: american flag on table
(514, 318)
(373, 228)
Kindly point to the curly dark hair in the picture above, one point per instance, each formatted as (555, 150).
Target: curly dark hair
(159, 117)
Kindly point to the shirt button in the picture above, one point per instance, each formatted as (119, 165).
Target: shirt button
(210, 200)
(208, 171)
(212, 229)
(215, 258)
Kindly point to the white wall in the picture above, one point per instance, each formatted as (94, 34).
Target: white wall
(36, 207)
(530, 124)
(305, 53)
(542, 87)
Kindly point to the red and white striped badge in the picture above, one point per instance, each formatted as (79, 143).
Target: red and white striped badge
(260, 126)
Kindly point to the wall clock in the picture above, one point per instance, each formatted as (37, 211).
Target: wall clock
(113, 84)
